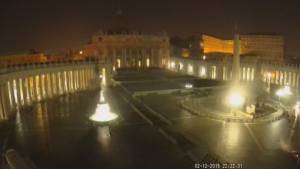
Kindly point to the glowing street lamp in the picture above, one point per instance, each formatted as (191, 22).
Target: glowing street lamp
(188, 86)
(172, 65)
(285, 91)
(235, 99)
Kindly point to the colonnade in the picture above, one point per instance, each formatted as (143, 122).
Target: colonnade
(268, 73)
(289, 77)
(23, 88)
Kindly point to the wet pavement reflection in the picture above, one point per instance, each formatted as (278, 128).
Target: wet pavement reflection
(267, 145)
(56, 134)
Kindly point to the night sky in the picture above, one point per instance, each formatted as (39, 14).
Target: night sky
(56, 25)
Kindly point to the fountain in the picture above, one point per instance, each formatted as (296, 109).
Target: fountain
(103, 117)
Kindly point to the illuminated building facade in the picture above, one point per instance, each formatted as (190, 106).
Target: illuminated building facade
(215, 45)
(262, 47)
(126, 49)
(266, 47)
(22, 59)
(190, 47)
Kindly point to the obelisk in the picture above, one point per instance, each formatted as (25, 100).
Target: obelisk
(236, 60)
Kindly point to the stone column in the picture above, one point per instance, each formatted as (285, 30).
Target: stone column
(76, 80)
(11, 94)
(91, 77)
(159, 58)
(5, 105)
(151, 58)
(27, 91)
(62, 78)
(297, 80)
(40, 87)
(79, 80)
(46, 86)
(68, 81)
(285, 78)
(36, 87)
(2, 110)
(16, 88)
(21, 91)
(293, 79)
(65, 82)
(59, 82)
(53, 80)
(71, 81)
(50, 85)
(276, 77)
(84, 78)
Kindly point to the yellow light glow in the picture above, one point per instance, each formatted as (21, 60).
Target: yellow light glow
(172, 65)
(148, 62)
(119, 63)
(81, 52)
(235, 99)
(180, 66)
(190, 69)
(286, 91)
(185, 53)
(188, 86)
(103, 76)
(269, 75)
(103, 114)
(140, 63)
(202, 71)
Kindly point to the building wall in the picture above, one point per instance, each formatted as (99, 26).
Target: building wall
(267, 47)
(216, 45)
(129, 50)
(22, 59)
